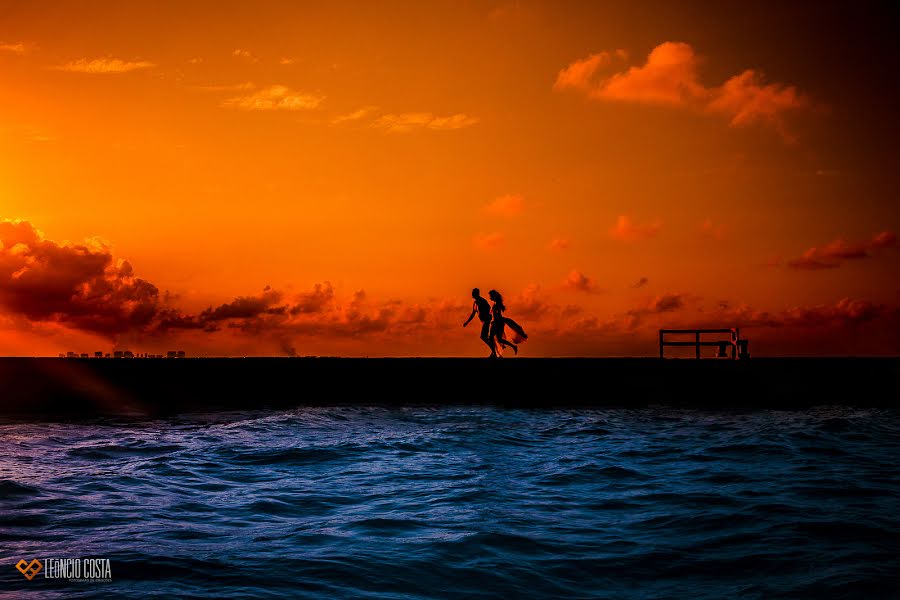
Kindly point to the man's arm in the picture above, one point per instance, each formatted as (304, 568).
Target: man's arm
(472, 316)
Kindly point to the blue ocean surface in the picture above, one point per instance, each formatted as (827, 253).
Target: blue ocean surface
(459, 502)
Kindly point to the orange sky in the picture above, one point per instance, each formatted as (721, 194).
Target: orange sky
(610, 168)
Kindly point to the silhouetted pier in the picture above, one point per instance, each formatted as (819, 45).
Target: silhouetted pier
(51, 388)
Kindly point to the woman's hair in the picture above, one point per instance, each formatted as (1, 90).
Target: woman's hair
(497, 298)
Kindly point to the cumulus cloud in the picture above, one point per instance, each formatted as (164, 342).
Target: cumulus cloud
(245, 307)
(82, 287)
(627, 230)
(670, 77)
(407, 122)
(832, 255)
(580, 74)
(105, 65)
(488, 241)
(746, 99)
(79, 289)
(75, 285)
(509, 205)
(667, 303)
(846, 312)
(275, 97)
(578, 281)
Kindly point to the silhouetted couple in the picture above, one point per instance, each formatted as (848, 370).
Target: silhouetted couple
(493, 323)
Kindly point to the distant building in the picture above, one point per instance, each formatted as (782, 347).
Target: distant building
(71, 355)
(171, 354)
(181, 354)
(128, 354)
(98, 354)
(84, 355)
(117, 354)
(61, 355)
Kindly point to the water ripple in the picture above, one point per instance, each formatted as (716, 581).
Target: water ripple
(453, 502)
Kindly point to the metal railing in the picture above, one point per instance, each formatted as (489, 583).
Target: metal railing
(739, 347)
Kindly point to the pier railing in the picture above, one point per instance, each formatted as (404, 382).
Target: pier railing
(739, 347)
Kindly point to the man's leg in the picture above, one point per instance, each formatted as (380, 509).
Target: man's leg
(486, 338)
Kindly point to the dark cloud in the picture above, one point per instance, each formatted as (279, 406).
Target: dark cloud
(667, 303)
(315, 301)
(580, 282)
(82, 287)
(76, 285)
(245, 307)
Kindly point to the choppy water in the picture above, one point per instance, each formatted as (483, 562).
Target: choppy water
(460, 503)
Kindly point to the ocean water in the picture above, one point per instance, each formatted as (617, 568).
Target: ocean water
(459, 502)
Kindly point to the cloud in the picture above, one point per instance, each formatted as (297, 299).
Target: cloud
(488, 241)
(407, 122)
(509, 205)
(628, 231)
(667, 303)
(267, 309)
(558, 245)
(275, 97)
(580, 74)
(834, 253)
(228, 87)
(15, 48)
(457, 121)
(244, 55)
(670, 77)
(286, 61)
(641, 282)
(847, 312)
(105, 65)
(810, 261)
(745, 100)
(194, 61)
(82, 290)
(356, 115)
(578, 281)
(245, 307)
(76, 285)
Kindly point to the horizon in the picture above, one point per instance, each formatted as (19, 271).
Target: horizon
(333, 180)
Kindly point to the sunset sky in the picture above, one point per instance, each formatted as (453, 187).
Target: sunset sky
(267, 178)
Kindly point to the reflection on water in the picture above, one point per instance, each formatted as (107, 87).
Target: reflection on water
(460, 502)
